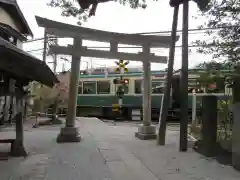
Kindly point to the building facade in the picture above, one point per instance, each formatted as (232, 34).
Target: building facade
(14, 29)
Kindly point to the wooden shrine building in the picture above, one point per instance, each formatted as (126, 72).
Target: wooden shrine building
(18, 68)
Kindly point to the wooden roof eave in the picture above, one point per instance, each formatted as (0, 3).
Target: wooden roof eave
(22, 64)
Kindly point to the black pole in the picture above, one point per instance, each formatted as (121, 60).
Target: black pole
(184, 81)
(168, 81)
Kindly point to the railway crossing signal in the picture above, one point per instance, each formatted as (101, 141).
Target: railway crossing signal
(121, 66)
(120, 82)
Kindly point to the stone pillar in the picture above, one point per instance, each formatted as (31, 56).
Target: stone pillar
(146, 130)
(236, 124)
(209, 126)
(18, 148)
(70, 133)
(236, 136)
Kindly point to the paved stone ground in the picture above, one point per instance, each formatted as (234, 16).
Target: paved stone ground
(144, 160)
(108, 152)
(51, 161)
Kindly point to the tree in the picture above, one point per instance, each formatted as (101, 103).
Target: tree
(58, 95)
(214, 73)
(213, 65)
(223, 20)
(81, 8)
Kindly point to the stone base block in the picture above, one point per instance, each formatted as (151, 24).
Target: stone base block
(68, 135)
(236, 161)
(18, 150)
(146, 132)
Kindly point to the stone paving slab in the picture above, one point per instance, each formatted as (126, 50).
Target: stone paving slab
(110, 155)
(120, 171)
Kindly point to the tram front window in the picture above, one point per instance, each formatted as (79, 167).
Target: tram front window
(157, 87)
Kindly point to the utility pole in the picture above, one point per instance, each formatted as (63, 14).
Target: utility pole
(44, 60)
(184, 81)
(45, 41)
(63, 67)
(54, 41)
(56, 100)
(55, 63)
(168, 82)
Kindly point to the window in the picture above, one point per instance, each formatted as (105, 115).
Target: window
(157, 87)
(192, 83)
(103, 87)
(89, 87)
(138, 86)
(126, 88)
(80, 88)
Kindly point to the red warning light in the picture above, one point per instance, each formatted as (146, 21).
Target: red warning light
(124, 81)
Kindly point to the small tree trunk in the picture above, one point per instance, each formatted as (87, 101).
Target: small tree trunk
(25, 114)
(5, 109)
(11, 113)
(54, 110)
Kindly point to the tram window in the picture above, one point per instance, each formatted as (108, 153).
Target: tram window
(138, 86)
(192, 83)
(80, 88)
(157, 87)
(126, 89)
(103, 87)
(89, 87)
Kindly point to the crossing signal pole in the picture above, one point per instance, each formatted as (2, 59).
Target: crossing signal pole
(120, 83)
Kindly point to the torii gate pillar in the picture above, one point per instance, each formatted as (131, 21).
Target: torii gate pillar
(146, 130)
(70, 133)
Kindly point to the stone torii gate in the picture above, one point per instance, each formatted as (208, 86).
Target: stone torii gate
(70, 133)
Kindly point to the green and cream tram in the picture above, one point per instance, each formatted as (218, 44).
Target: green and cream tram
(97, 94)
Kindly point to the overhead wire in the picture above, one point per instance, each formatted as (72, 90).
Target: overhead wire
(192, 31)
(127, 47)
(157, 32)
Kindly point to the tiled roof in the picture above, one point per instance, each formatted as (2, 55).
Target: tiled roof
(23, 65)
(14, 9)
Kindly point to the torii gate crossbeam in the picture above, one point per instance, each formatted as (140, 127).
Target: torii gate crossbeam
(69, 133)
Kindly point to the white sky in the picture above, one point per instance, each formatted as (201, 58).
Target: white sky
(112, 16)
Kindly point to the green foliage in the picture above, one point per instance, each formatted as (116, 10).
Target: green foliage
(213, 73)
(72, 8)
(223, 16)
(225, 120)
